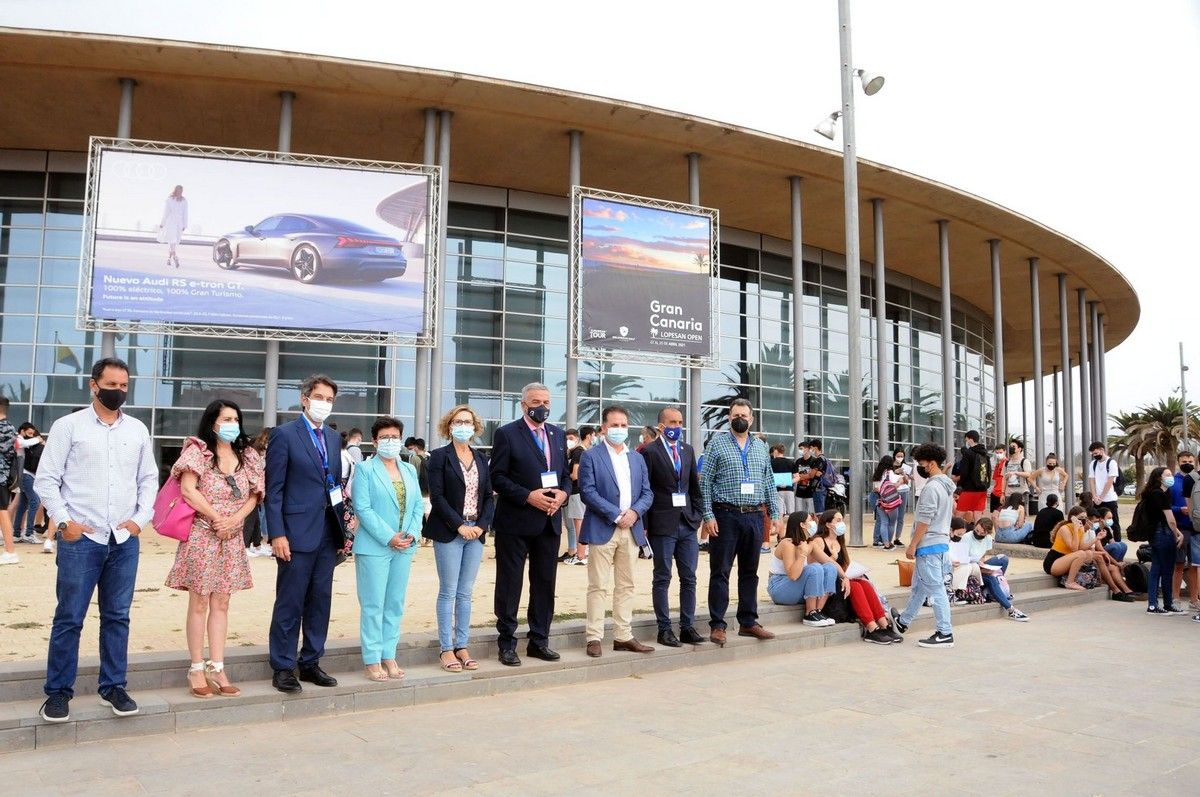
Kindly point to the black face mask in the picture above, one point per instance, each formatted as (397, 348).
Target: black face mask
(1012, 452)
(538, 414)
(112, 398)
(980, 536)
(1097, 456)
(923, 471)
(1052, 465)
(1187, 468)
(739, 425)
(956, 539)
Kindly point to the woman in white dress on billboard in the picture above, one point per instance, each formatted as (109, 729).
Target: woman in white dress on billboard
(174, 222)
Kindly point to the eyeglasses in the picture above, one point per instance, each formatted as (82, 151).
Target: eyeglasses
(463, 423)
(232, 482)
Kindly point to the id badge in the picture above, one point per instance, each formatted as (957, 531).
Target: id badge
(747, 488)
(335, 496)
(678, 499)
(549, 479)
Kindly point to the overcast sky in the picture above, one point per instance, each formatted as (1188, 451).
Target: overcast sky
(1082, 115)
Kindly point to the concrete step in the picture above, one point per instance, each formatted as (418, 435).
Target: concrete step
(169, 708)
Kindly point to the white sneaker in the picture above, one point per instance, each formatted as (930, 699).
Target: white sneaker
(9, 558)
(48, 546)
(1018, 615)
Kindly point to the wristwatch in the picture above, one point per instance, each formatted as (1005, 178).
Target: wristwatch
(62, 527)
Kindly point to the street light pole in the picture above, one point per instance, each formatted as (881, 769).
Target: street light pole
(1183, 395)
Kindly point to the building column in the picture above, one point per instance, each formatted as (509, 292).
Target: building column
(108, 339)
(798, 384)
(574, 178)
(1039, 400)
(882, 368)
(1103, 381)
(998, 388)
(271, 370)
(1024, 418)
(1085, 404)
(1068, 452)
(947, 346)
(439, 305)
(696, 434)
(1056, 436)
(1094, 369)
(422, 424)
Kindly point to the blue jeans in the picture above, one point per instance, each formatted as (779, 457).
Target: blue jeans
(993, 582)
(1117, 550)
(683, 549)
(887, 524)
(738, 536)
(1162, 566)
(27, 505)
(815, 581)
(457, 566)
(898, 528)
(929, 581)
(819, 500)
(83, 566)
(1014, 534)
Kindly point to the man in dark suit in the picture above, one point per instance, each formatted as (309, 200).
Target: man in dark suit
(532, 483)
(671, 526)
(304, 520)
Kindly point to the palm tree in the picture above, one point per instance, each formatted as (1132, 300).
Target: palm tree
(1155, 431)
(616, 388)
(1124, 444)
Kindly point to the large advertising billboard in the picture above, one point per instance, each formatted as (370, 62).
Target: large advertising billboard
(645, 281)
(207, 241)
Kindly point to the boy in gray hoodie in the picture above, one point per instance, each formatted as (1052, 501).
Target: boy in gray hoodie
(930, 547)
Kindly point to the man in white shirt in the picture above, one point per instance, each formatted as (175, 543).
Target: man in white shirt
(615, 486)
(1102, 474)
(97, 480)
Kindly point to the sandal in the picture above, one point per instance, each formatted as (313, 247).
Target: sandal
(451, 666)
(375, 673)
(211, 670)
(468, 663)
(393, 670)
(199, 691)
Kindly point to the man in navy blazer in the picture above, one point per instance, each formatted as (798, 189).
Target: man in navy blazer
(532, 483)
(304, 522)
(671, 525)
(615, 488)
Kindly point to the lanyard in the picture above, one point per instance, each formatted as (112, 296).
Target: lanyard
(745, 453)
(537, 438)
(676, 461)
(319, 442)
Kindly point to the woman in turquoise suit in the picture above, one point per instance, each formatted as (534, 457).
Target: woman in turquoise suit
(387, 501)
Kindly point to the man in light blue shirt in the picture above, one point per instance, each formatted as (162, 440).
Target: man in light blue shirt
(97, 480)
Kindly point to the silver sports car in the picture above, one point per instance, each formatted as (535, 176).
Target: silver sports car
(313, 248)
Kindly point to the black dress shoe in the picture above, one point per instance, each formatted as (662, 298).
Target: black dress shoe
(541, 652)
(315, 675)
(667, 639)
(285, 681)
(690, 636)
(509, 658)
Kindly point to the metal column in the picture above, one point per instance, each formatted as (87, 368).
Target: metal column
(108, 340)
(696, 433)
(947, 345)
(1085, 405)
(1056, 436)
(1024, 418)
(1094, 370)
(882, 369)
(998, 389)
(574, 167)
(439, 304)
(1103, 380)
(422, 423)
(1039, 400)
(1068, 452)
(271, 370)
(797, 315)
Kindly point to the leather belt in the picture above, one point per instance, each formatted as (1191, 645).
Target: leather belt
(744, 509)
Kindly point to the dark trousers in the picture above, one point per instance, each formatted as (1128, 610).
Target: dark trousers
(683, 549)
(84, 567)
(1162, 566)
(1116, 529)
(738, 535)
(819, 499)
(512, 551)
(252, 528)
(303, 593)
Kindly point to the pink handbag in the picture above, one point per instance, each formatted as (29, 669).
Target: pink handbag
(172, 515)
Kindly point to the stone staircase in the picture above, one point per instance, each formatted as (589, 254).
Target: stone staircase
(157, 680)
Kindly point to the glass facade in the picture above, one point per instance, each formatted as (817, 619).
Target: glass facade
(506, 325)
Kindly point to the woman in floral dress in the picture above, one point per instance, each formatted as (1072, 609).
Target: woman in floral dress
(221, 477)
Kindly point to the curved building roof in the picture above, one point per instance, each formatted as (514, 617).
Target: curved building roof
(62, 87)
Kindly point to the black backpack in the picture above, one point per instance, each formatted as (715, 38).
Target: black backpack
(1141, 527)
(1137, 576)
(975, 472)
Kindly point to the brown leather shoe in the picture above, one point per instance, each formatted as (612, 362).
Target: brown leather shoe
(632, 645)
(756, 631)
(593, 649)
(717, 636)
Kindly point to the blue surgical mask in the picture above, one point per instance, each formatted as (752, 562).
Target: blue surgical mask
(229, 431)
(839, 529)
(1168, 481)
(389, 448)
(462, 433)
(1095, 526)
(673, 433)
(1108, 523)
(811, 526)
(617, 435)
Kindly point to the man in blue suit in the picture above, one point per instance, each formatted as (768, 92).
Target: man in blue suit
(304, 519)
(532, 483)
(615, 487)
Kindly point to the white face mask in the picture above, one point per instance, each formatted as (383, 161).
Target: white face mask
(319, 410)
(571, 443)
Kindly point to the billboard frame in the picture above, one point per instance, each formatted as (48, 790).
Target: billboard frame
(84, 320)
(579, 348)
